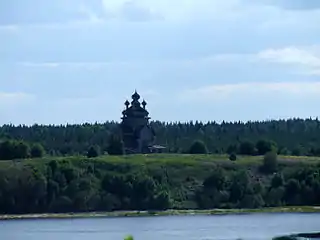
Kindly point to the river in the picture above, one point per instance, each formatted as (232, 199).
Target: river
(222, 227)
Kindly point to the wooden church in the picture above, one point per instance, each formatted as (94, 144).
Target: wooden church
(137, 134)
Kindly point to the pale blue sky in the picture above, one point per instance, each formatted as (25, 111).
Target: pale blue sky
(78, 60)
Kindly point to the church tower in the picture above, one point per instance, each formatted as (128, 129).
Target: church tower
(137, 134)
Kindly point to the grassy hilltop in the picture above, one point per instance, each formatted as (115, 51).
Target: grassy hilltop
(156, 182)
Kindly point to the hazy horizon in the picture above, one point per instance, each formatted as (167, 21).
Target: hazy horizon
(155, 120)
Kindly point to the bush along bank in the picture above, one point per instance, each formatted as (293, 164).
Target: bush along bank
(79, 184)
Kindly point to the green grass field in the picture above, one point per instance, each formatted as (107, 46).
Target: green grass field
(168, 159)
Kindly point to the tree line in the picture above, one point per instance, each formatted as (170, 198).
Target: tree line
(14, 149)
(292, 137)
(18, 149)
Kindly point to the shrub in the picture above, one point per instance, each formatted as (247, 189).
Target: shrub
(129, 237)
(198, 147)
(93, 152)
(12, 149)
(232, 157)
(264, 146)
(37, 151)
(270, 162)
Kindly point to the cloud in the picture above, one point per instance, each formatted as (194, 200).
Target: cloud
(130, 11)
(10, 99)
(293, 4)
(71, 109)
(157, 73)
(17, 14)
(42, 65)
(9, 28)
(308, 58)
(168, 10)
(76, 65)
(224, 92)
(249, 101)
(210, 59)
(74, 12)
(37, 11)
(90, 15)
(300, 60)
(185, 10)
(291, 55)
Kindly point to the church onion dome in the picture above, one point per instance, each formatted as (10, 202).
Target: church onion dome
(126, 103)
(144, 103)
(135, 96)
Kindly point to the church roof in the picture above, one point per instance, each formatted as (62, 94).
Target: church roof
(135, 96)
(135, 109)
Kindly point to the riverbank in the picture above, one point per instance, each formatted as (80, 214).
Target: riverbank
(304, 209)
(80, 185)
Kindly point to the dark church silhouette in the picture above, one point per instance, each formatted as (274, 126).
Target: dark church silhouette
(137, 134)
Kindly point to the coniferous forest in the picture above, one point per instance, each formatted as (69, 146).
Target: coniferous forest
(80, 168)
(291, 137)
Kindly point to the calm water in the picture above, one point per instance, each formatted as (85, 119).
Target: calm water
(247, 227)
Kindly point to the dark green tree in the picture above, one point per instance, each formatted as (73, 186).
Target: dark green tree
(115, 146)
(283, 151)
(12, 149)
(6, 150)
(270, 162)
(232, 157)
(275, 196)
(217, 179)
(292, 192)
(264, 146)
(21, 149)
(277, 180)
(37, 151)
(232, 149)
(247, 148)
(93, 152)
(198, 147)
